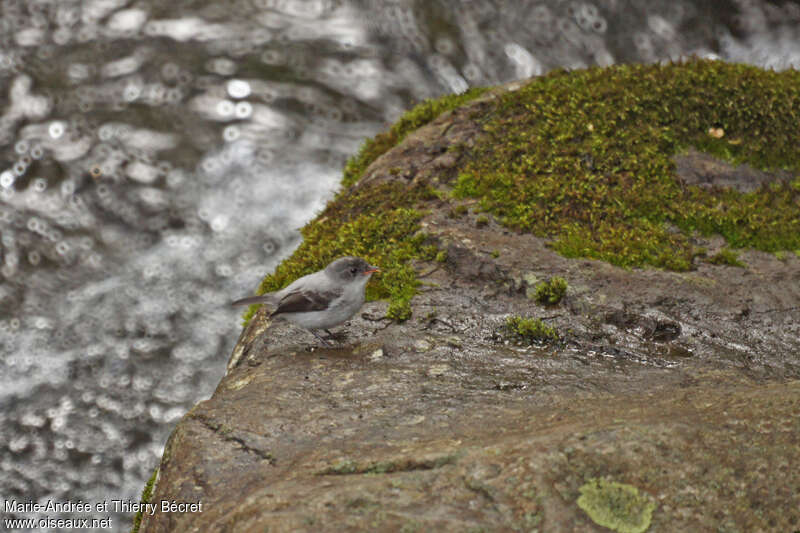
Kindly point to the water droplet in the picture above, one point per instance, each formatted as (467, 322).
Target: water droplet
(224, 270)
(22, 147)
(219, 223)
(273, 57)
(7, 179)
(243, 110)
(225, 108)
(169, 71)
(56, 129)
(231, 133)
(238, 89)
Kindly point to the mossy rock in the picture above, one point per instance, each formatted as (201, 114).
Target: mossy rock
(585, 158)
(147, 492)
(420, 115)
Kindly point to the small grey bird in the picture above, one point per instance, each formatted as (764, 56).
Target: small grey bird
(323, 299)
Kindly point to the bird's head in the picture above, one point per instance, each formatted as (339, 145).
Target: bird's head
(350, 269)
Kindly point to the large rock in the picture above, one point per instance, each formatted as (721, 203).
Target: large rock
(682, 386)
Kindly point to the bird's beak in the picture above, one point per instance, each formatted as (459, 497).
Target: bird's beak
(371, 270)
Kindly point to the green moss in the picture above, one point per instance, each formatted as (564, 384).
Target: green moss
(552, 291)
(458, 211)
(420, 115)
(481, 221)
(376, 222)
(726, 256)
(495, 253)
(617, 506)
(585, 158)
(530, 329)
(147, 492)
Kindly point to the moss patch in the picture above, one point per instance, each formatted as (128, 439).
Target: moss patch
(616, 506)
(530, 329)
(726, 256)
(552, 291)
(420, 115)
(377, 222)
(147, 492)
(585, 158)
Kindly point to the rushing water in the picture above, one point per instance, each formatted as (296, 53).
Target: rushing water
(157, 158)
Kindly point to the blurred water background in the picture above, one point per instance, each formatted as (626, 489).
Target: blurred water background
(157, 159)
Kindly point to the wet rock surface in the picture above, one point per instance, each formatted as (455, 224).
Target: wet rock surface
(684, 385)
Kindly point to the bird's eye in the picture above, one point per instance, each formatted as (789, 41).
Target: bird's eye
(353, 270)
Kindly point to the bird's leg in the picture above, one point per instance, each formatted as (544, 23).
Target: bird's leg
(338, 337)
(320, 338)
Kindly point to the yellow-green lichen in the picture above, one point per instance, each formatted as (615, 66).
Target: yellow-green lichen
(552, 291)
(376, 222)
(418, 116)
(147, 492)
(617, 506)
(585, 158)
(530, 329)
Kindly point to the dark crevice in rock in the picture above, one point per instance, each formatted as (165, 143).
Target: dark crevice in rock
(347, 467)
(227, 435)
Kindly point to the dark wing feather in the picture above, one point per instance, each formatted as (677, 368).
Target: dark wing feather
(304, 301)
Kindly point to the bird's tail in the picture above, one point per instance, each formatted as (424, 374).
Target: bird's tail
(251, 300)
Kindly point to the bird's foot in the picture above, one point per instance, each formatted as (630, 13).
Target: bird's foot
(323, 341)
(339, 336)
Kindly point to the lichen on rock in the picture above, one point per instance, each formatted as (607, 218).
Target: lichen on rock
(617, 506)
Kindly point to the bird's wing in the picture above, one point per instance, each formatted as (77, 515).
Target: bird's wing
(303, 301)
